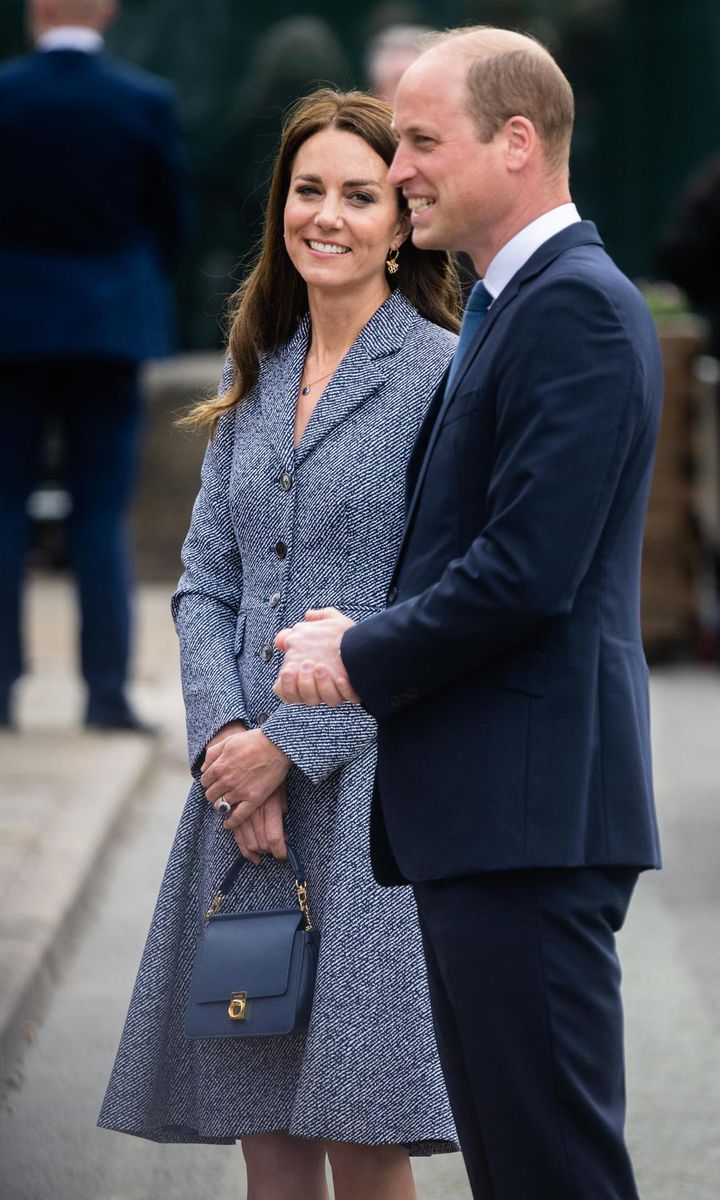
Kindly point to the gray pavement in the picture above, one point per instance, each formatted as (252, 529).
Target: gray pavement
(85, 825)
(62, 791)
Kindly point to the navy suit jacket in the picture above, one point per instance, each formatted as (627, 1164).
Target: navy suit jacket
(92, 208)
(507, 674)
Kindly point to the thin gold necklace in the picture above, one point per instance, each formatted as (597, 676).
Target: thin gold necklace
(305, 386)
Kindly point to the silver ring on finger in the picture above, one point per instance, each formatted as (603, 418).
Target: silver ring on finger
(223, 807)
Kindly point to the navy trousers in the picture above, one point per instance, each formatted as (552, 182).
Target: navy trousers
(95, 404)
(525, 991)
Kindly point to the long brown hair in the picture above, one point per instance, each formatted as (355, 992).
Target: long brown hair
(265, 310)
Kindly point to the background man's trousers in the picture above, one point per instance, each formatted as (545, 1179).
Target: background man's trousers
(525, 988)
(95, 404)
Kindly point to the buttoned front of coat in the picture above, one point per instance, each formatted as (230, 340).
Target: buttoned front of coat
(277, 529)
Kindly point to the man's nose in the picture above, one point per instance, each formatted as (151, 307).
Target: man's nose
(401, 168)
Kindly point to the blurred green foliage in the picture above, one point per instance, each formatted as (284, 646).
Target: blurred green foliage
(646, 75)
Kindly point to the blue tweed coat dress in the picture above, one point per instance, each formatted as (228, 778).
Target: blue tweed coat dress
(275, 530)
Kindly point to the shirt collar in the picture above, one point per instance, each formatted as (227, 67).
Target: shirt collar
(70, 37)
(515, 253)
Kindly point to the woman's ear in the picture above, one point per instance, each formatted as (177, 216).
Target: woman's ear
(402, 231)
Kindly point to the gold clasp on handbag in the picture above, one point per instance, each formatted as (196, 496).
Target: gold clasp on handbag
(237, 1008)
(217, 901)
(302, 899)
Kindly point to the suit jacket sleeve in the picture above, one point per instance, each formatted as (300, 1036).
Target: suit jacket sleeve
(570, 398)
(207, 601)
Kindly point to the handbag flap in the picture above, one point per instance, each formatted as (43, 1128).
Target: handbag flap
(245, 952)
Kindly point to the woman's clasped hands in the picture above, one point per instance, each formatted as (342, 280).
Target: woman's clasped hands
(246, 770)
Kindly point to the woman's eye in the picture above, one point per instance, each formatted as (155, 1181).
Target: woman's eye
(306, 189)
(363, 197)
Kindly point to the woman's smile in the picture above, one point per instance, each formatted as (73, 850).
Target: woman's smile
(332, 248)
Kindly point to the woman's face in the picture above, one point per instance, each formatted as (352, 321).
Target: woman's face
(341, 214)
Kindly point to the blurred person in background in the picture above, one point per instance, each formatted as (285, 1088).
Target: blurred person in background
(689, 256)
(92, 211)
(389, 55)
(340, 335)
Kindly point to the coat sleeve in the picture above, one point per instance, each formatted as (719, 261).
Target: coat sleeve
(568, 410)
(207, 601)
(321, 740)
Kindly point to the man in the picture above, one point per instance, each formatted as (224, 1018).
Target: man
(507, 675)
(91, 209)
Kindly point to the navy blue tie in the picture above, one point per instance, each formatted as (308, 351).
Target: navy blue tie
(478, 303)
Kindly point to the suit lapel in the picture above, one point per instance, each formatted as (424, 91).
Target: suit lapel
(582, 232)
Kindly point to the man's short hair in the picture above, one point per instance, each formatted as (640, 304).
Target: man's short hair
(515, 76)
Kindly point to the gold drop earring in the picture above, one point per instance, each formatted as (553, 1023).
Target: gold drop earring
(391, 262)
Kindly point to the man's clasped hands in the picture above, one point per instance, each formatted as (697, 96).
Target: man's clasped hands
(248, 771)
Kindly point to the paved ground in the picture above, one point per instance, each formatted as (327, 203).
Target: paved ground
(62, 791)
(68, 800)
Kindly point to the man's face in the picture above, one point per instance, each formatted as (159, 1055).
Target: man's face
(456, 185)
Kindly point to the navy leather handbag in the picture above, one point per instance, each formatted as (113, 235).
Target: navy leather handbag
(254, 972)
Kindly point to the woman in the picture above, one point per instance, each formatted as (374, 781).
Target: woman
(336, 348)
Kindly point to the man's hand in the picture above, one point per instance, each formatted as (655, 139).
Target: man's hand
(313, 671)
(245, 768)
(263, 832)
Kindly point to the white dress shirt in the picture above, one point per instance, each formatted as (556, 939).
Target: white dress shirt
(515, 253)
(71, 37)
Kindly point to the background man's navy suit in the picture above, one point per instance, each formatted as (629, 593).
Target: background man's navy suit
(91, 214)
(508, 679)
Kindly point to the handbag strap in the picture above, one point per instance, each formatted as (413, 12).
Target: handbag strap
(231, 875)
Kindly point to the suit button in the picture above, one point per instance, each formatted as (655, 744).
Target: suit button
(286, 481)
(281, 550)
(275, 599)
(266, 652)
(392, 594)
(261, 718)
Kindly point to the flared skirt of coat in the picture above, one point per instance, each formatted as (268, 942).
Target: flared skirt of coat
(365, 1071)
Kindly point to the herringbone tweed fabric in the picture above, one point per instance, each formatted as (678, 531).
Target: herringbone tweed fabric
(260, 551)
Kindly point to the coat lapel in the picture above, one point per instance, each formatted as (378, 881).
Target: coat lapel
(360, 375)
(279, 384)
(582, 232)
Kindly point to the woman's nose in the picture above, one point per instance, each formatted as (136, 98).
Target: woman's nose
(328, 215)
